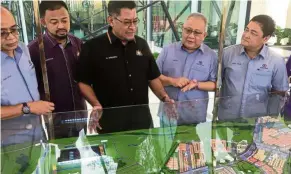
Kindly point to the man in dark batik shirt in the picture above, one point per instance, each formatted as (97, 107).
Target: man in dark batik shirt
(61, 53)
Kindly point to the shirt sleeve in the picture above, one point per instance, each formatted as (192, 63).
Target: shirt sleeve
(280, 78)
(84, 66)
(213, 68)
(161, 59)
(153, 71)
(288, 66)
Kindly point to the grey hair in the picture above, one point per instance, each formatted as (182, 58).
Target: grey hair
(201, 16)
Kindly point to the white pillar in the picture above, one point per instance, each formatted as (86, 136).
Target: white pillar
(241, 20)
(194, 6)
(23, 24)
(149, 22)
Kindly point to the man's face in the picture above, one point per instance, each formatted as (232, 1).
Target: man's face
(9, 33)
(124, 25)
(193, 33)
(57, 23)
(252, 37)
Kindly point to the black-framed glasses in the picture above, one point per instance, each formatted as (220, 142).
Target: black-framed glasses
(128, 22)
(189, 31)
(13, 30)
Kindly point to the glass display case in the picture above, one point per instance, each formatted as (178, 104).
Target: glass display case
(234, 137)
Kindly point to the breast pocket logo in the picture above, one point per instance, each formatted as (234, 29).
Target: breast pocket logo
(264, 66)
(138, 53)
(200, 63)
(5, 78)
(111, 57)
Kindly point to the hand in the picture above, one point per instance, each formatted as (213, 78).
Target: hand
(41, 107)
(170, 110)
(180, 82)
(95, 116)
(167, 99)
(193, 84)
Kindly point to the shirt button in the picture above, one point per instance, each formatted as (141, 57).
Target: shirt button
(129, 75)
(28, 126)
(126, 62)
(131, 89)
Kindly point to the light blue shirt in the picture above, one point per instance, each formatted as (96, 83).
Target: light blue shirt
(19, 85)
(246, 82)
(18, 78)
(174, 61)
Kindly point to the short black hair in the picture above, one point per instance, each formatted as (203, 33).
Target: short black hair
(114, 6)
(51, 5)
(267, 24)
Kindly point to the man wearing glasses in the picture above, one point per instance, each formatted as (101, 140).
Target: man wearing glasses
(116, 68)
(250, 71)
(20, 104)
(189, 70)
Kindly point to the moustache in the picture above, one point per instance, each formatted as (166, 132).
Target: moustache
(62, 30)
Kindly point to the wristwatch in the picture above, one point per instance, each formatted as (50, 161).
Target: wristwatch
(25, 108)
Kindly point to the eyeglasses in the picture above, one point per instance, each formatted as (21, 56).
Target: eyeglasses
(189, 31)
(14, 31)
(128, 23)
(254, 34)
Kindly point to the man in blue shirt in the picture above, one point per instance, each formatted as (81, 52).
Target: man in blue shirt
(189, 70)
(250, 71)
(19, 95)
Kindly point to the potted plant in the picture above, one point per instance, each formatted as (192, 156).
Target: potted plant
(287, 33)
(279, 34)
(156, 55)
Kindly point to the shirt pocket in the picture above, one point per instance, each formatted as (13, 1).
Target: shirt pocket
(234, 72)
(49, 62)
(261, 80)
(172, 68)
(200, 73)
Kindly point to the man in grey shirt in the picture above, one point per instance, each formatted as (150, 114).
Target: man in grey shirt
(250, 71)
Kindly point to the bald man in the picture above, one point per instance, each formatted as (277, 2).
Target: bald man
(19, 87)
(20, 104)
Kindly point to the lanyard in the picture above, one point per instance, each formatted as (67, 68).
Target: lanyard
(26, 85)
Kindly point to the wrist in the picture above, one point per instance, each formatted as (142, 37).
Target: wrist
(164, 98)
(171, 81)
(96, 103)
(197, 85)
(30, 105)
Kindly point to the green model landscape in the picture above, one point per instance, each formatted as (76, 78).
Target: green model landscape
(140, 151)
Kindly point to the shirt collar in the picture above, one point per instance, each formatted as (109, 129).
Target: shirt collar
(263, 52)
(52, 42)
(18, 53)
(201, 48)
(112, 38)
